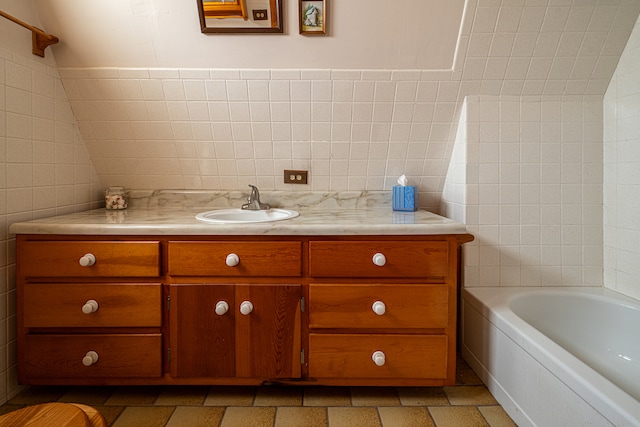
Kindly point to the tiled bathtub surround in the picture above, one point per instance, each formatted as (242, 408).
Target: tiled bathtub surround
(526, 179)
(621, 178)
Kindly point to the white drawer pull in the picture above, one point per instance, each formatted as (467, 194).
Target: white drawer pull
(379, 259)
(87, 260)
(378, 358)
(246, 307)
(232, 260)
(90, 306)
(379, 308)
(221, 307)
(90, 358)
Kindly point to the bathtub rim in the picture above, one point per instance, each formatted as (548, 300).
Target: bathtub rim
(606, 398)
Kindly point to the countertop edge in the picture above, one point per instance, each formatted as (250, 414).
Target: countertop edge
(24, 229)
(162, 222)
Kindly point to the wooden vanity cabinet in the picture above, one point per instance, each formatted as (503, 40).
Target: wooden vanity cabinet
(89, 310)
(212, 337)
(383, 312)
(324, 310)
(235, 309)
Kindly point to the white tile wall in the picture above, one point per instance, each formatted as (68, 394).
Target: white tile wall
(621, 173)
(526, 178)
(45, 169)
(353, 129)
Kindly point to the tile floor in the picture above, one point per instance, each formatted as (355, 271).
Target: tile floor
(467, 404)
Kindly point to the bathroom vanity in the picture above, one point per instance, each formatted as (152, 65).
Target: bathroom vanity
(348, 297)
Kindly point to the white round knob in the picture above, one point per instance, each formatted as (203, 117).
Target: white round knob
(221, 307)
(246, 307)
(379, 308)
(379, 259)
(90, 306)
(378, 358)
(90, 358)
(232, 260)
(87, 260)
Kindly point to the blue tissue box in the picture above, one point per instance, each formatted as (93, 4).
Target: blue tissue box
(405, 198)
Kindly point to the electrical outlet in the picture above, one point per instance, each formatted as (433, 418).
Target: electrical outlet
(295, 177)
(259, 14)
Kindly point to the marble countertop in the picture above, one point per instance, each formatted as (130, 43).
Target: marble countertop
(163, 213)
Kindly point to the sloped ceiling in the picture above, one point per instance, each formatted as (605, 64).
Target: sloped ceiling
(414, 34)
(160, 105)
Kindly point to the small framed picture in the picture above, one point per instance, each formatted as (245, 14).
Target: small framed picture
(313, 17)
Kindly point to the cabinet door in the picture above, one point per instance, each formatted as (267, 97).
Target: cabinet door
(263, 343)
(202, 341)
(268, 338)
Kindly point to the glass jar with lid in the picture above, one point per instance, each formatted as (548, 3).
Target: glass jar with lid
(116, 198)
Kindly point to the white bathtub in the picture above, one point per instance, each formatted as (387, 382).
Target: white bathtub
(556, 356)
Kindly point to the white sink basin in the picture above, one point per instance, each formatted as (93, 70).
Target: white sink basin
(244, 216)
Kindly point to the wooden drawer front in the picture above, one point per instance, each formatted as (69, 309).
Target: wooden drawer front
(119, 355)
(254, 259)
(350, 356)
(61, 305)
(351, 306)
(112, 259)
(355, 259)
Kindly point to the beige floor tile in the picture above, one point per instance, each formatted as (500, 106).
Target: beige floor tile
(301, 416)
(405, 416)
(469, 395)
(144, 416)
(353, 417)
(87, 395)
(374, 396)
(278, 396)
(230, 396)
(469, 404)
(496, 416)
(182, 395)
(38, 394)
(327, 396)
(196, 416)
(248, 417)
(457, 416)
(134, 395)
(110, 413)
(422, 396)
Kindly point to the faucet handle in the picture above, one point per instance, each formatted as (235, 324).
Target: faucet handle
(253, 201)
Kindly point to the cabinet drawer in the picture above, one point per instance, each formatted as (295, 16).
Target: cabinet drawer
(253, 259)
(61, 305)
(112, 259)
(119, 355)
(400, 259)
(402, 306)
(350, 356)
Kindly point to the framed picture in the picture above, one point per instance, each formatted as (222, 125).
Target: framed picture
(313, 17)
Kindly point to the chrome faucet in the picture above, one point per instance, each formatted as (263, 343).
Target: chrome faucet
(253, 201)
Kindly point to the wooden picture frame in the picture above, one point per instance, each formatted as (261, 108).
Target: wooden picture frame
(233, 16)
(312, 17)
